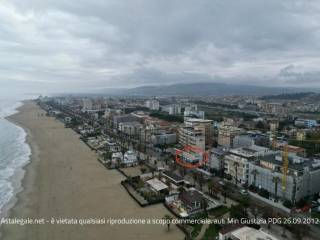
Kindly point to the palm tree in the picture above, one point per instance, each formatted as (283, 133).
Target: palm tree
(155, 163)
(143, 170)
(276, 180)
(236, 165)
(129, 180)
(204, 205)
(168, 219)
(181, 189)
(195, 177)
(225, 190)
(211, 187)
(254, 172)
(201, 181)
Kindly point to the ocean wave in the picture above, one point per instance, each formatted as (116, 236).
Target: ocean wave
(14, 153)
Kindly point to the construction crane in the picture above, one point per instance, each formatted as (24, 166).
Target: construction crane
(274, 140)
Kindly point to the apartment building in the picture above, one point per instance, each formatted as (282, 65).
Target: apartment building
(153, 104)
(194, 136)
(302, 178)
(163, 137)
(117, 119)
(206, 124)
(227, 133)
(236, 162)
(174, 109)
(306, 123)
(130, 128)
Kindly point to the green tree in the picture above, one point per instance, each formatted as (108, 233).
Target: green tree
(204, 206)
(143, 170)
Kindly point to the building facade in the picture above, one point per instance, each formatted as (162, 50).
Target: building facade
(193, 136)
(301, 180)
(226, 134)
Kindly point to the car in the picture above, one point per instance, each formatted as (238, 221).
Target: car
(243, 192)
(314, 204)
(221, 183)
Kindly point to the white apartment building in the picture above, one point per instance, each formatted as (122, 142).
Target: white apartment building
(237, 167)
(236, 163)
(153, 104)
(87, 104)
(174, 109)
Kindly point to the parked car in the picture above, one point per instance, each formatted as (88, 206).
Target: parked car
(243, 192)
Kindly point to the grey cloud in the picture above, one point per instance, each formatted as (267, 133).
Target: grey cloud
(82, 43)
(295, 75)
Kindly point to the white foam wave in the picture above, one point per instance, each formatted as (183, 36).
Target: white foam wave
(15, 153)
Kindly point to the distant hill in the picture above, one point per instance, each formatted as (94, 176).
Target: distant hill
(306, 96)
(205, 89)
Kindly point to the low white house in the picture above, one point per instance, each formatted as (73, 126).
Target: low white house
(246, 233)
(116, 158)
(157, 186)
(130, 158)
(67, 119)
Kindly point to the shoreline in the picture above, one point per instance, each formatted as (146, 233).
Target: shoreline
(26, 173)
(69, 182)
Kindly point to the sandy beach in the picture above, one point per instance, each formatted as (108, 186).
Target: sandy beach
(65, 180)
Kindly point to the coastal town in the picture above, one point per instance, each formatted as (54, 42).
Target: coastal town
(236, 158)
(160, 120)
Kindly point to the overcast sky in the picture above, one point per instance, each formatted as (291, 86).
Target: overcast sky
(63, 45)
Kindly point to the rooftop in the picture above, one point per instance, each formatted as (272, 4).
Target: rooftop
(247, 233)
(157, 184)
(194, 120)
(190, 196)
(173, 176)
(295, 162)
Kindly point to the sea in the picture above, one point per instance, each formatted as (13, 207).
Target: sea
(14, 153)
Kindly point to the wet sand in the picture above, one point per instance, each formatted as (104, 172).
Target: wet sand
(64, 179)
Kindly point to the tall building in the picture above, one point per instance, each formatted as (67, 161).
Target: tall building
(274, 125)
(191, 111)
(153, 104)
(226, 134)
(194, 136)
(174, 109)
(206, 124)
(87, 104)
